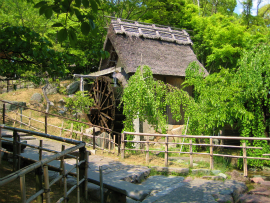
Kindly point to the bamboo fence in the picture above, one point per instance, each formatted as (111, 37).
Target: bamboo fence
(190, 144)
(81, 166)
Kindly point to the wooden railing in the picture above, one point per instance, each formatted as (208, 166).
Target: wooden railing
(190, 144)
(18, 119)
(81, 166)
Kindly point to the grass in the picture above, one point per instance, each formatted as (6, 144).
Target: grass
(10, 193)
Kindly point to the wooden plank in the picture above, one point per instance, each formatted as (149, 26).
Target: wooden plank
(190, 154)
(211, 155)
(147, 150)
(166, 150)
(46, 184)
(245, 160)
(23, 188)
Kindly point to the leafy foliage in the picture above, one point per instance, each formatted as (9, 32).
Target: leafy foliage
(147, 99)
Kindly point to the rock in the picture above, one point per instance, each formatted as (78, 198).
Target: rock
(200, 171)
(188, 179)
(61, 103)
(52, 89)
(235, 175)
(224, 198)
(213, 177)
(13, 105)
(90, 130)
(182, 171)
(37, 97)
(215, 172)
(246, 198)
(266, 183)
(239, 189)
(222, 175)
(262, 190)
(73, 87)
(177, 131)
(257, 180)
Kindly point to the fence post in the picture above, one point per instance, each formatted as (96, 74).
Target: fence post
(71, 129)
(78, 180)
(103, 143)
(101, 185)
(86, 175)
(109, 143)
(245, 159)
(21, 116)
(46, 120)
(82, 152)
(30, 115)
(166, 151)
(81, 135)
(190, 156)
(114, 144)
(147, 149)
(15, 149)
(40, 149)
(15, 119)
(94, 139)
(61, 129)
(4, 113)
(38, 174)
(123, 145)
(18, 151)
(211, 154)
(46, 184)
(23, 188)
(119, 144)
(62, 164)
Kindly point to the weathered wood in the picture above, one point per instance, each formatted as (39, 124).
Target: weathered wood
(81, 135)
(86, 175)
(15, 119)
(147, 150)
(101, 185)
(114, 144)
(39, 175)
(29, 122)
(122, 145)
(82, 152)
(46, 123)
(62, 127)
(109, 146)
(245, 160)
(71, 131)
(0, 144)
(62, 164)
(23, 188)
(78, 180)
(211, 155)
(119, 144)
(103, 143)
(190, 154)
(4, 113)
(166, 150)
(46, 184)
(94, 139)
(40, 149)
(15, 150)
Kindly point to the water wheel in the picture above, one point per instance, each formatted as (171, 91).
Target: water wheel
(103, 112)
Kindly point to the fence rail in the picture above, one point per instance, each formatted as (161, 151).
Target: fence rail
(81, 166)
(211, 154)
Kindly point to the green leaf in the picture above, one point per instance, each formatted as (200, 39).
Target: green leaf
(85, 3)
(43, 9)
(56, 9)
(57, 25)
(72, 37)
(78, 3)
(48, 13)
(92, 24)
(62, 35)
(38, 5)
(85, 28)
(78, 14)
(94, 6)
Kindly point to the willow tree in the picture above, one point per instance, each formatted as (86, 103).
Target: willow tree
(240, 96)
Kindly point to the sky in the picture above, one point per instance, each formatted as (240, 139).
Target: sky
(239, 7)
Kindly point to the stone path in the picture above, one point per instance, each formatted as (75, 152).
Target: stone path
(152, 189)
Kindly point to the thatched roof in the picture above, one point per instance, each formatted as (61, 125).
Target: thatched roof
(167, 51)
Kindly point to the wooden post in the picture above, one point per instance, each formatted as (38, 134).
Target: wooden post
(166, 151)
(82, 152)
(245, 159)
(123, 145)
(46, 123)
(62, 164)
(21, 116)
(29, 123)
(86, 175)
(147, 149)
(40, 150)
(101, 185)
(119, 144)
(18, 151)
(46, 184)
(103, 143)
(23, 188)
(190, 156)
(7, 85)
(71, 129)
(15, 148)
(211, 154)
(15, 119)
(109, 143)
(94, 139)
(4, 113)
(114, 144)
(39, 174)
(61, 128)
(81, 135)
(78, 180)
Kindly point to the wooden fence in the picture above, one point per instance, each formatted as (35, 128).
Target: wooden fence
(111, 139)
(190, 144)
(81, 166)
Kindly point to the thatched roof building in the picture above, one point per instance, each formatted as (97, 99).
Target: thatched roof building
(167, 51)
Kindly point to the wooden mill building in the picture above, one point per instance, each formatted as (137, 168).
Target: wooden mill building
(168, 51)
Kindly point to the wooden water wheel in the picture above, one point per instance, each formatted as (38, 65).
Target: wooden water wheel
(103, 112)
